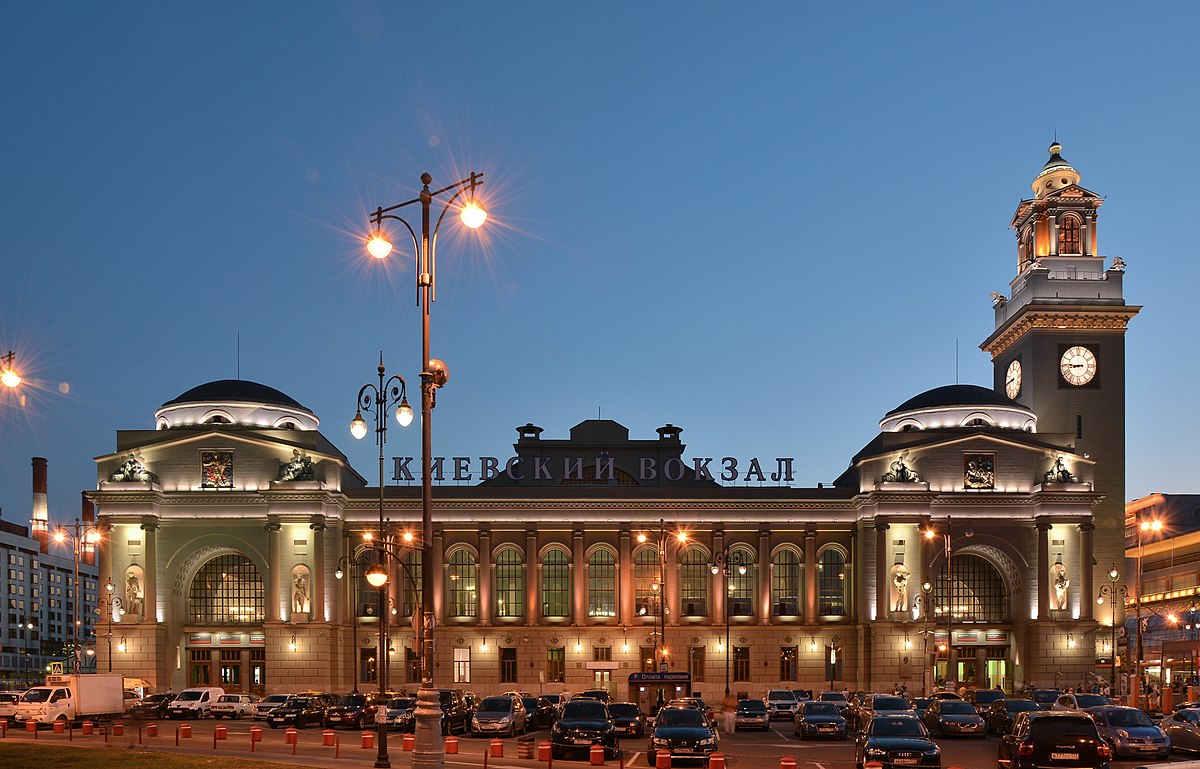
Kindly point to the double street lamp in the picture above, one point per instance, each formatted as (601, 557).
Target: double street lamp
(659, 588)
(726, 563)
(1147, 525)
(428, 750)
(106, 606)
(924, 604)
(1112, 592)
(83, 542)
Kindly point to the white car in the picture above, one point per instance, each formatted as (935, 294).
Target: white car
(234, 706)
(263, 707)
(781, 703)
(8, 704)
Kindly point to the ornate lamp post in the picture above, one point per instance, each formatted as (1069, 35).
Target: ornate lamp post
(1155, 525)
(351, 565)
(82, 542)
(1112, 592)
(725, 563)
(379, 400)
(429, 750)
(105, 606)
(659, 588)
(924, 604)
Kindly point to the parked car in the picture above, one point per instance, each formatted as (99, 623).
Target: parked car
(1183, 729)
(539, 712)
(132, 700)
(1129, 732)
(919, 705)
(944, 696)
(499, 715)
(819, 719)
(8, 704)
(1083, 701)
(947, 717)
(297, 711)
(682, 732)
(982, 698)
(558, 700)
(1055, 738)
(1045, 697)
(898, 740)
(627, 718)
(781, 703)
(837, 698)
(401, 715)
(456, 716)
(195, 702)
(751, 714)
(1000, 714)
(234, 706)
(584, 722)
(878, 705)
(355, 711)
(267, 704)
(153, 706)
(593, 694)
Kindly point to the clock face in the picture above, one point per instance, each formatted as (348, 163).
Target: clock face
(1078, 365)
(1012, 380)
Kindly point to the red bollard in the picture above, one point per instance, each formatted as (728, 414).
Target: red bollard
(327, 738)
(88, 727)
(787, 762)
(451, 744)
(255, 736)
(662, 760)
(596, 755)
(496, 748)
(185, 731)
(31, 726)
(408, 742)
(3, 728)
(60, 726)
(118, 729)
(289, 737)
(368, 740)
(151, 730)
(716, 761)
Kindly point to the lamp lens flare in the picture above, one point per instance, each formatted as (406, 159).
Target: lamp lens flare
(472, 215)
(10, 378)
(379, 246)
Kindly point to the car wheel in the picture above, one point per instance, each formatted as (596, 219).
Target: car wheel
(650, 758)
(274, 726)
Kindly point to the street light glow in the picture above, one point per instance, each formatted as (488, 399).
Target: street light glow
(404, 415)
(10, 378)
(379, 246)
(472, 215)
(358, 426)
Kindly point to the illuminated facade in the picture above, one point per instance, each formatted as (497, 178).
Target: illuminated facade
(563, 569)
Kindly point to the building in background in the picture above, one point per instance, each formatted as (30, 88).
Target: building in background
(964, 544)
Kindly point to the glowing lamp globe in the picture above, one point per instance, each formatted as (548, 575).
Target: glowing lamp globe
(358, 427)
(10, 378)
(404, 414)
(378, 245)
(472, 215)
(377, 575)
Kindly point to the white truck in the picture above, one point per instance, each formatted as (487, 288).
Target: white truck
(74, 698)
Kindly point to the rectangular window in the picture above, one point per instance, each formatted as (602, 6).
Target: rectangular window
(787, 663)
(368, 670)
(602, 584)
(696, 663)
(201, 667)
(462, 665)
(647, 656)
(602, 653)
(741, 663)
(412, 665)
(508, 664)
(556, 665)
(258, 668)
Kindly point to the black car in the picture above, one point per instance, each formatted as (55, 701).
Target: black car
(1045, 697)
(298, 712)
(456, 716)
(594, 694)
(152, 706)
(682, 732)
(751, 714)
(983, 698)
(819, 719)
(628, 718)
(919, 705)
(896, 741)
(355, 711)
(1000, 714)
(1058, 738)
(539, 713)
(583, 723)
(872, 705)
(401, 714)
(947, 717)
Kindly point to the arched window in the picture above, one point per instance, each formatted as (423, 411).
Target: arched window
(556, 583)
(1068, 235)
(510, 583)
(693, 583)
(647, 576)
(226, 591)
(462, 584)
(602, 584)
(785, 584)
(831, 583)
(741, 586)
(977, 592)
(410, 583)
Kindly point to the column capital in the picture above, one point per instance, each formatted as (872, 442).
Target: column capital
(149, 523)
(272, 525)
(1042, 524)
(317, 522)
(881, 524)
(1087, 526)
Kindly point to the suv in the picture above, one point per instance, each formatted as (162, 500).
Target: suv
(1054, 738)
(356, 711)
(584, 722)
(456, 716)
(896, 740)
(683, 733)
(781, 703)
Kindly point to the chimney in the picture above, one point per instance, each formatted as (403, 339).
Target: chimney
(88, 516)
(40, 522)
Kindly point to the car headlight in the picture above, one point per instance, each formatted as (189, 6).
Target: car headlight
(506, 720)
(709, 741)
(658, 741)
(1123, 734)
(876, 752)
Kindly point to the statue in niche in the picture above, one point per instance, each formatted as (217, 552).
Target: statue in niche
(900, 472)
(299, 468)
(133, 471)
(300, 604)
(900, 577)
(1059, 473)
(1061, 584)
(133, 594)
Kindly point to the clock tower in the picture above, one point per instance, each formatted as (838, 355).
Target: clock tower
(1059, 343)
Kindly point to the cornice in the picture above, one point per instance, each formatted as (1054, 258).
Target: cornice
(1033, 317)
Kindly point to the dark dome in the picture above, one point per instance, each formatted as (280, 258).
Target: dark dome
(955, 395)
(236, 391)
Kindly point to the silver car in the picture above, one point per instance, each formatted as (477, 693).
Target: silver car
(1130, 732)
(1183, 729)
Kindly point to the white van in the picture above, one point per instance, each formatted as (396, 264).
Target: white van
(195, 702)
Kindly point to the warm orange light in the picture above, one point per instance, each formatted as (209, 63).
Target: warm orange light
(682, 536)
(930, 534)
(376, 575)
(472, 215)
(408, 536)
(1172, 619)
(368, 536)
(10, 378)
(378, 244)
(60, 537)
(641, 537)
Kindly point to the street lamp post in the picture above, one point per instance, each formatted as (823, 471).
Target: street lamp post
(951, 657)
(82, 541)
(725, 563)
(428, 750)
(346, 563)
(661, 652)
(925, 603)
(105, 606)
(1155, 525)
(379, 399)
(1112, 592)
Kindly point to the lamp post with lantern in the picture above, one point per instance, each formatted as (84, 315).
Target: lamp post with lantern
(659, 587)
(106, 606)
(726, 563)
(83, 542)
(1112, 592)
(8, 372)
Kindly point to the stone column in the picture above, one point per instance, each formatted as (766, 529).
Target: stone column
(1087, 554)
(316, 603)
(764, 577)
(673, 590)
(273, 568)
(810, 576)
(150, 586)
(485, 577)
(719, 586)
(1043, 569)
(853, 592)
(578, 579)
(533, 568)
(625, 577)
(881, 569)
(437, 568)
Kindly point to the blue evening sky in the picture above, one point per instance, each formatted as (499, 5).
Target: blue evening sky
(768, 223)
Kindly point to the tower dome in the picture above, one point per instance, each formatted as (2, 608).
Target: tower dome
(960, 405)
(236, 402)
(1056, 174)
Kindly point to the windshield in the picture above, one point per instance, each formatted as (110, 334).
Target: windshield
(897, 727)
(833, 697)
(1045, 697)
(351, 701)
(402, 703)
(780, 694)
(681, 717)
(588, 710)
(956, 708)
(1019, 706)
(1092, 700)
(820, 709)
(890, 703)
(36, 695)
(1053, 728)
(188, 697)
(624, 710)
(1131, 717)
(496, 705)
(753, 706)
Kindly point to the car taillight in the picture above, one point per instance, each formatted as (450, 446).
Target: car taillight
(1103, 751)
(1025, 749)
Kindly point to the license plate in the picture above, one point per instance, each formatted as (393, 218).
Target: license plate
(1064, 756)
(906, 761)
(582, 741)
(1148, 747)
(684, 750)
